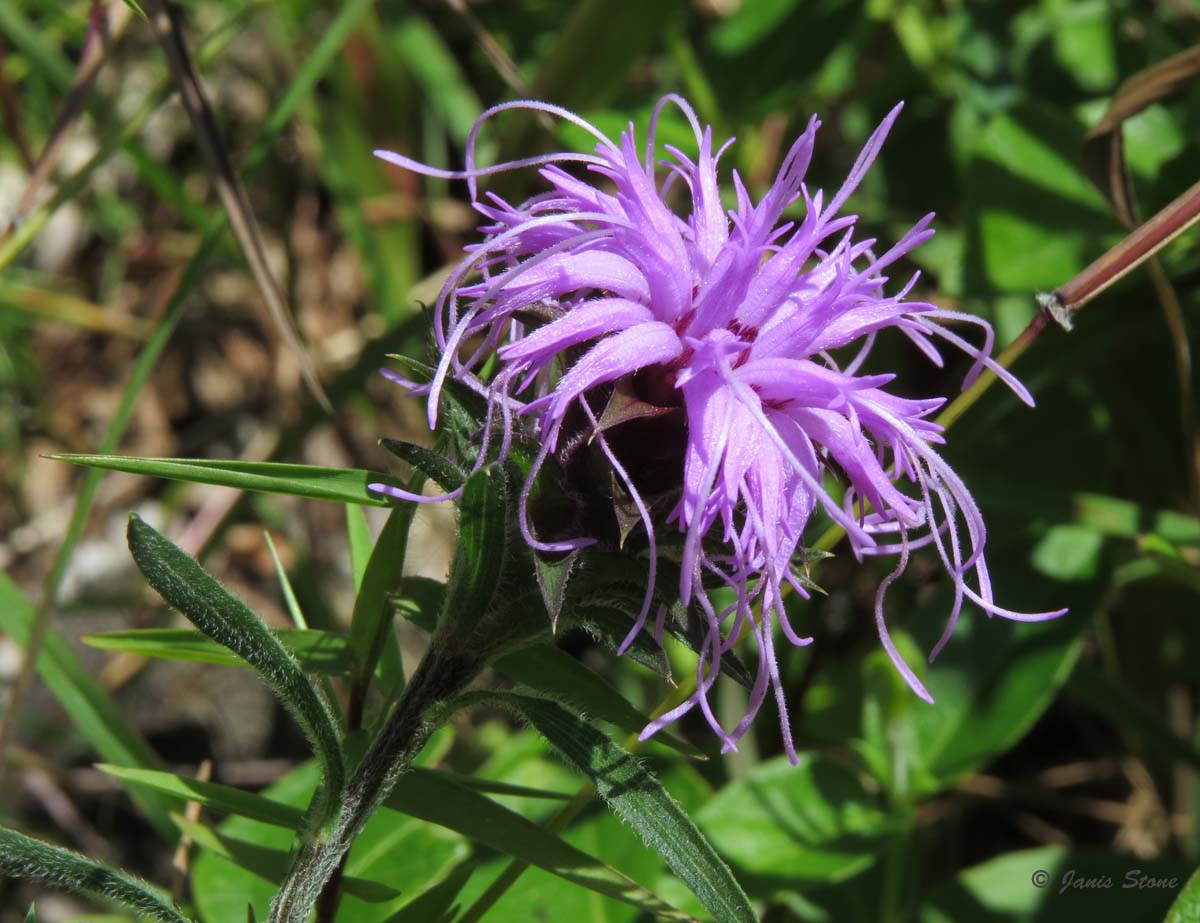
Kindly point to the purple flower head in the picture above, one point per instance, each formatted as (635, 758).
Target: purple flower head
(729, 318)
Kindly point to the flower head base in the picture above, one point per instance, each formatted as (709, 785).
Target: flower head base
(729, 319)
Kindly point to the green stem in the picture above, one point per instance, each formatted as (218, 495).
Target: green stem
(442, 673)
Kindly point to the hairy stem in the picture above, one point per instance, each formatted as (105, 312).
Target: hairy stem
(443, 673)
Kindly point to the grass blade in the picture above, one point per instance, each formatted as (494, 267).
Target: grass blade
(343, 485)
(317, 651)
(371, 621)
(165, 19)
(289, 595)
(358, 530)
(212, 795)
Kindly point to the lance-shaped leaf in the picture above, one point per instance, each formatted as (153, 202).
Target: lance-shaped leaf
(230, 800)
(371, 621)
(444, 802)
(212, 795)
(358, 534)
(267, 863)
(344, 485)
(634, 795)
(183, 583)
(317, 651)
(482, 536)
(24, 857)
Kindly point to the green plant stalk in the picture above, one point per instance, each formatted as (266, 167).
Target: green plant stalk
(469, 632)
(443, 673)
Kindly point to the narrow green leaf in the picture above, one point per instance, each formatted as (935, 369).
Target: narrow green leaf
(637, 797)
(89, 706)
(344, 485)
(493, 787)
(136, 7)
(212, 795)
(359, 533)
(442, 801)
(269, 863)
(230, 800)
(289, 595)
(316, 63)
(24, 857)
(371, 622)
(317, 651)
(184, 584)
(36, 44)
(479, 560)
(548, 670)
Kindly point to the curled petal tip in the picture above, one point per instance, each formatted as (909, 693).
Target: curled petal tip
(391, 157)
